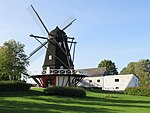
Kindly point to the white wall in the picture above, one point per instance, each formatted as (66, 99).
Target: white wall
(133, 82)
(61, 80)
(111, 82)
(92, 82)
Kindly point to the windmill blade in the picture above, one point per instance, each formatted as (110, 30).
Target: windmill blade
(37, 55)
(74, 51)
(38, 48)
(36, 20)
(69, 24)
(40, 19)
(38, 36)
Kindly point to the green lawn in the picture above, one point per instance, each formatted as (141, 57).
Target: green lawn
(95, 102)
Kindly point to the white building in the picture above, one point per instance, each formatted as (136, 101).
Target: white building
(111, 82)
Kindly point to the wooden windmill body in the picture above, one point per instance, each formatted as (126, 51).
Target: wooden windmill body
(58, 68)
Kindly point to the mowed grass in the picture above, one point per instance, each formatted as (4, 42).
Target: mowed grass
(96, 102)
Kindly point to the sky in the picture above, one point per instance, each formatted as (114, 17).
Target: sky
(117, 30)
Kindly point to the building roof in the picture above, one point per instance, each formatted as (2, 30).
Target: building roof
(94, 71)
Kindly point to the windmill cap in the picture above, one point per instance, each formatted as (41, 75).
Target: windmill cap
(57, 32)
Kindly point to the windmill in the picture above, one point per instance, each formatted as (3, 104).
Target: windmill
(58, 67)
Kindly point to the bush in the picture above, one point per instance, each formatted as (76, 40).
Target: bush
(65, 91)
(14, 86)
(140, 91)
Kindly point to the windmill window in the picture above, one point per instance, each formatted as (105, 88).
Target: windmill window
(60, 44)
(116, 80)
(50, 57)
(61, 67)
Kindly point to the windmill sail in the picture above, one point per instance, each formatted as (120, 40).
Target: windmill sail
(38, 48)
(40, 19)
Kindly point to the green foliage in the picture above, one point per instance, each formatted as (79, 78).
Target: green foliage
(140, 91)
(65, 91)
(111, 67)
(13, 61)
(141, 69)
(14, 86)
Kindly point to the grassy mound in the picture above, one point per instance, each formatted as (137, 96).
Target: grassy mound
(33, 101)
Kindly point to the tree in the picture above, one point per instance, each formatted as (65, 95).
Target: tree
(141, 69)
(2, 67)
(13, 61)
(111, 67)
(129, 69)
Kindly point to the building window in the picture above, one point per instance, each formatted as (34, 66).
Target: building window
(117, 87)
(116, 80)
(90, 81)
(69, 57)
(50, 57)
(98, 80)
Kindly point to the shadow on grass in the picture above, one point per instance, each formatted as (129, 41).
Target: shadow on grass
(51, 107)
(54, 104)
(102, 91)
(35, 102)
(94, 101)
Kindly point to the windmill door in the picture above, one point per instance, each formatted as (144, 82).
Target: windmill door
(49, 81)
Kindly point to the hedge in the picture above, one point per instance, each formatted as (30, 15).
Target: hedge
(65, 91)
(14, 86)
(140, 91)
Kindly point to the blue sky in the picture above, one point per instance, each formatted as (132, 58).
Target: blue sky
(118, 30)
